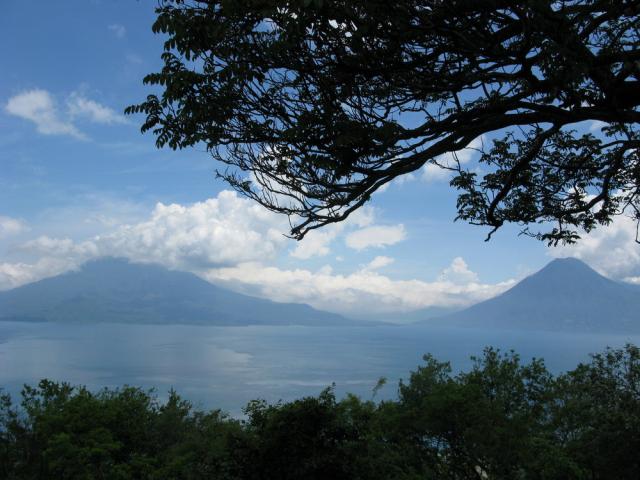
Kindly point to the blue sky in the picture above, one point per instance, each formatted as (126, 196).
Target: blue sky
(78, 180)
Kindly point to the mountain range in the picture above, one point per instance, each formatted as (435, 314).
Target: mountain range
(116, 290)
(565, 295)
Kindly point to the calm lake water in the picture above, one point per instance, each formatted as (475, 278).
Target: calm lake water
(224, 367)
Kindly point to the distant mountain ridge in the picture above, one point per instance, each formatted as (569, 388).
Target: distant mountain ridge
(116, 290)
(566, 295)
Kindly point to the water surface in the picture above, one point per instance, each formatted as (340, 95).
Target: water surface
(224, 367)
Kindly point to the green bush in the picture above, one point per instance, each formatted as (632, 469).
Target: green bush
(502, 419)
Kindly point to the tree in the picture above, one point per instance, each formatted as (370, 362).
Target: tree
(492, 419)
(313, 105)
(598, 413)
(501, 419)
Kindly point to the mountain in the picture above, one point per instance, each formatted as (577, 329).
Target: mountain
(565, 295)
(115, 290)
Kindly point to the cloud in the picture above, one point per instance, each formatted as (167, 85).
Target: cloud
(379, 262)
(232, 241)
(39, 107)
(16, 274)
(399, 181)
(458, 273)
(220, 231)
(376, 236)
(11, 226)
(363, 291)
(611, 250)
(597, 126)
(316, 243)
(62, 248)
(134, 59)
(224, 230)
(118, 30)
(403, 179)
(435, 173)
(79, 106)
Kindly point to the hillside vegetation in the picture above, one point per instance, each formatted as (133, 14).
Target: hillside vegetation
(502, 419)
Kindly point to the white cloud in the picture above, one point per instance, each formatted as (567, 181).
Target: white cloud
(407, 178)
(16, 274)
(458, 273)
(376, 236)
(597, 126)
(39, 107)
(224, 230)
(435, 173)
(360, 292)
(118, 30)
(379, 262)
(612, 249)
(61, 248)
(399, 181)
(11, 226)
(220, 231)
(233, 241)
(81, 107)
(317, 242)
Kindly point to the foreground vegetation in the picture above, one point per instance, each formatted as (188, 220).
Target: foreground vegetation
(502, 419)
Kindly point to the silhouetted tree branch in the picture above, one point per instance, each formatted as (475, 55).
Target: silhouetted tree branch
(316, 104)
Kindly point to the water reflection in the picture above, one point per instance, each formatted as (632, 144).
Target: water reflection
(224, 367)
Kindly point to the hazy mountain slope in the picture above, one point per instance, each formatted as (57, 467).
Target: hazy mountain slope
(114, 290)
(565, 295)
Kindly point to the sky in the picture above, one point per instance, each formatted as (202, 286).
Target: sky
(79, 181)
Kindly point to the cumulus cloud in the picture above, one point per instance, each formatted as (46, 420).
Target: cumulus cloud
(317, 242)
(359, 292)
(232, 241)
(458, 273)
(118, 30)
(39, 107)
(19, 273)
(224, 230)
(219, 231)
(379, 262)
(61, 248)
(80, 106)
(11, 226)
(434, 172)
(376, 236)
(612, 250)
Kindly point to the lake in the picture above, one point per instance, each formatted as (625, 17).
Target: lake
(224, 367)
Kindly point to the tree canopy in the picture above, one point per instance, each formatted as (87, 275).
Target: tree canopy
(314, 105)
(500, 419)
